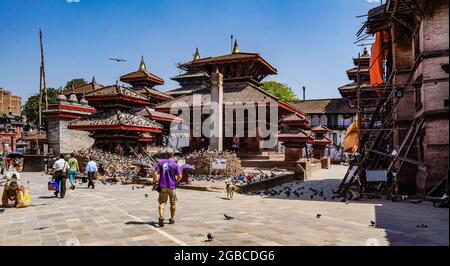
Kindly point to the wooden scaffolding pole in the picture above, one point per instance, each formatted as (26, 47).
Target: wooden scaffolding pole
(43, 99)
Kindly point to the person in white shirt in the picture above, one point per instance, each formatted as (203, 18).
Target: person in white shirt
(91, 170)
(60, 175)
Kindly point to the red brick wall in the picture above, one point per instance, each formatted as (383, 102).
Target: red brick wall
(434, 36)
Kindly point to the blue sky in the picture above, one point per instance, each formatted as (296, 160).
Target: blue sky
(310, 42)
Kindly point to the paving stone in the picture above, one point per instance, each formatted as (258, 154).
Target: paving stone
(116, 215)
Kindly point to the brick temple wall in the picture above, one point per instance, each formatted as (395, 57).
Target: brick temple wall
(402, 55)
(434, 34)
(64, 140)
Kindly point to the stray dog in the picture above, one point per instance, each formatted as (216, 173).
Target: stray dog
(230, 189)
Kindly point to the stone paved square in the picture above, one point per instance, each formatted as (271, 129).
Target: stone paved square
(118, 215)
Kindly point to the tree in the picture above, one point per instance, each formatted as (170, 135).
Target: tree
(75, 83)
(31, 107)
(280, 90)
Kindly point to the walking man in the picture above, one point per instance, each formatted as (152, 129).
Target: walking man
(91, 169)
(168, 173)
(74, 168)
(60, 175)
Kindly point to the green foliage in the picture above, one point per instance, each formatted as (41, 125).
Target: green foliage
(280, 90)
(75, 83)
(31, 107)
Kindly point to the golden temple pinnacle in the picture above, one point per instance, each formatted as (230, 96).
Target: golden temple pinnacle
(142, 66)
(235, 48)
(196, 55)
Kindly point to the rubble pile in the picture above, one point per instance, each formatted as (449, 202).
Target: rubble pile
(259, 175)
(209, 178)
(117, 168)
(311, 160)
(202, 160)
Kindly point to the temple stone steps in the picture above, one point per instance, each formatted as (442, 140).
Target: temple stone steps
(262, 160)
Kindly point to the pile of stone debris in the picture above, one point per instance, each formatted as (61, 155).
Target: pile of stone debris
(203, 159)
(116, 168)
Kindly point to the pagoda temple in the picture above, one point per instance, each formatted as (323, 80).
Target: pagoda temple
(114, 126)
(368, 96)
(239, 80)
(191, 80)
(294, 137)
(320, 141)
(143, 82)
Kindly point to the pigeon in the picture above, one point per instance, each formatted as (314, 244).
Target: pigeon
(288, 193)
(146, 195)
(228, 217)
(132, 188)
(372, 223)
(422, 226)
(210, 236)
(321, 194)
(325, 198)
(318, 215)
(118, 60)
(2, 210)
(346, 202)
(312, 196)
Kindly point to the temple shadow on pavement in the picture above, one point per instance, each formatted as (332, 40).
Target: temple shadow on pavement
(403, 222)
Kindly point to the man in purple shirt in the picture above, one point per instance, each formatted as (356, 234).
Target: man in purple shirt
(169, 173)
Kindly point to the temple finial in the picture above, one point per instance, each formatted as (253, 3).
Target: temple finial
(196, 55)
(142, 66)
(93, 80)
(235, 47)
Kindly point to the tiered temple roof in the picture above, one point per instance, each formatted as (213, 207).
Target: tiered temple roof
(144, 82)
(236, 65)
(237, 69)
(116, 96)
(152, 114)
(83, 89)
(116, 120)
(348, 91)
(142, 77)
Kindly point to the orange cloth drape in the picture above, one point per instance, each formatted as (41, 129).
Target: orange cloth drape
(376, 62)
(351, 139)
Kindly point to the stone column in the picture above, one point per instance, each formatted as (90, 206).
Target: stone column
(216, 141)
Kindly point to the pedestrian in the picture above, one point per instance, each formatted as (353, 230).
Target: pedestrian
(91, 170)
(235, 144)
(2, 164)
(74, 168)
(60, 175)
(168, 173)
